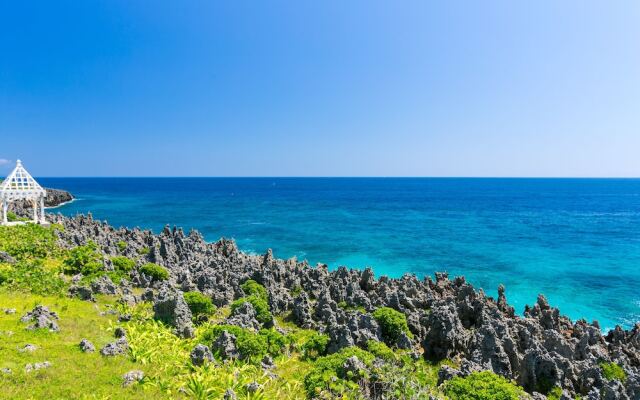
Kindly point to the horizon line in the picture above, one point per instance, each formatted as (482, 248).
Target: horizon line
(332, 177)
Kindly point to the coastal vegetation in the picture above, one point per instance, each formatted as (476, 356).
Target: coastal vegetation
(41, 274)
(613, 371)
(482, 386)
(69, 307)
(392, 322)
(200, 305)
(155, 271)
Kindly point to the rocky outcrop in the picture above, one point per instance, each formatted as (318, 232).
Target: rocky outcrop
(448, 318)
(200, 355)
(6, 258)
(119, 347)
(104, 285)
(37, 366)
(55, 197)
(42, 318)
(171, 308)
(86, 346)
(132, 377)
(244, 316)
(225, 345)
(82, 292)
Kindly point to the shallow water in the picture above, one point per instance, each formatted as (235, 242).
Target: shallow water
(575, 240)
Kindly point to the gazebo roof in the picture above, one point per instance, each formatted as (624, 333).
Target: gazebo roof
(20, 185)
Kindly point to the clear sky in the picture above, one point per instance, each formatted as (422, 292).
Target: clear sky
(320, 88)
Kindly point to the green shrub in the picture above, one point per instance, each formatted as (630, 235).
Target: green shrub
(83, 259)
(257, 296)
(123, 264)
(251, 346)
(277, 343)
(296, 290)
(613, 371)
(392, 323)
(381, 350)
(199, 304)
(483, 385)
(144, 251)
(253, 288)
(155, 271)
(555, 393)
(263, 314)
(328, 376)
(29, 241)
(32, 276)
(122, 245)
(316, 346)
(11, 216)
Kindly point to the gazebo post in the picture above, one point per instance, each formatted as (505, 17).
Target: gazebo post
(5, 207)
(43, 220)
(34, 203)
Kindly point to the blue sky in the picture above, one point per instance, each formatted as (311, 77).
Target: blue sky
(329, 88)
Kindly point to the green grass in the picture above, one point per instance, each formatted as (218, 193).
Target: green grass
(73, 374)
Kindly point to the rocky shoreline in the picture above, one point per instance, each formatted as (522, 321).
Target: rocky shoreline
(55, 198)
(448, 318)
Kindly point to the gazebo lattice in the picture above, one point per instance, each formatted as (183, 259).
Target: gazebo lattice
(20, 185)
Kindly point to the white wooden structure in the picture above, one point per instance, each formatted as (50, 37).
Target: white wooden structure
(20, 185)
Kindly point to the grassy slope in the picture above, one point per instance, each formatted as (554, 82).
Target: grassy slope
(72, 372)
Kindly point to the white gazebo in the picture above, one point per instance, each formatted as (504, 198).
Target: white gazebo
(20, 185)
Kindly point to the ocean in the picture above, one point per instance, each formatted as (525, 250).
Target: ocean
(575, 240)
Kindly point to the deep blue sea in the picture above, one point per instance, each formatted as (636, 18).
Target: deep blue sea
(575, 240)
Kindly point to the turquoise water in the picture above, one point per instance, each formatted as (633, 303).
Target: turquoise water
(575, 240)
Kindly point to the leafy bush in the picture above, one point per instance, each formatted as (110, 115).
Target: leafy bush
(83, 259)
(555, 393)
(392, 323)
(32, 276)
(155, 271)
(316, 346)
(263, 314)
(12, 217)
(29, 241)
(122, 245)
(328, 375)
(277, 343)
(380, 350)
(483, 385)
(257, 296)
(253, 288)
(144, 251)
(199, 304)
(613, 371)
(123, 264)
(251, 346)
(296, 290)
